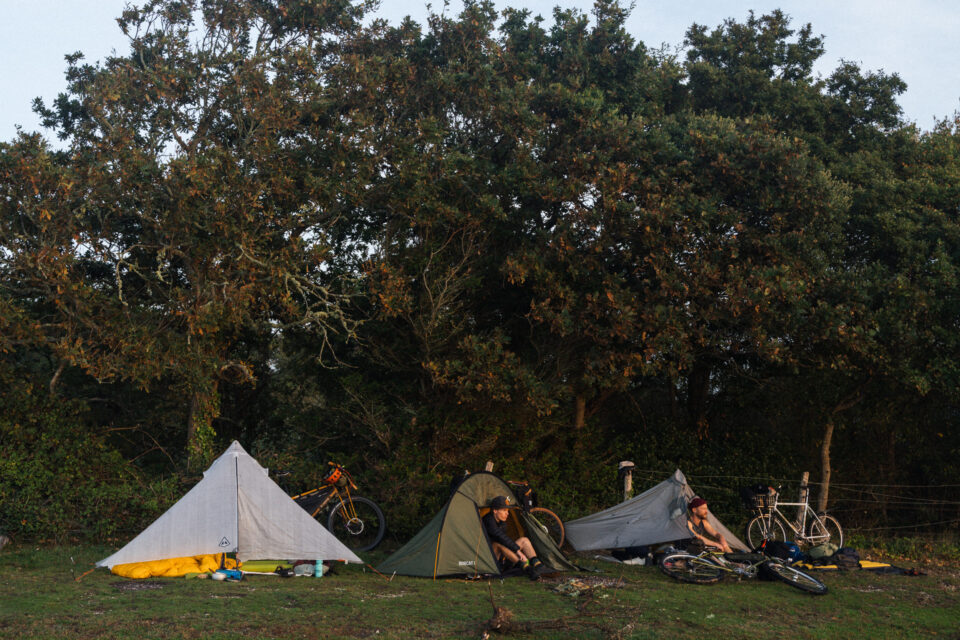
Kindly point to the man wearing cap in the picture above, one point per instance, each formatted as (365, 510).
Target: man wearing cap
(700, 527)
(508, 551)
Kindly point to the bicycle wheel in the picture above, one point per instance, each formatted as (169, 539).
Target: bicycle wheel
(358, 523)
(826, 529)
(764, 528)
(687, 568)
(551, 523)
(794, 578)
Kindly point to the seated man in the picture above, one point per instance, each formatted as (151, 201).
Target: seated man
(510, 552)
(701, 529)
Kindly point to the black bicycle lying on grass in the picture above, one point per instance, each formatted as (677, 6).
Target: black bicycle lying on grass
(708, 567)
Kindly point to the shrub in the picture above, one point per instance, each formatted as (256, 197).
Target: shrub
(60, 481)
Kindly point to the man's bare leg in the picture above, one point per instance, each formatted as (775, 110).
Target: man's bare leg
(526, 547)
(502, 552)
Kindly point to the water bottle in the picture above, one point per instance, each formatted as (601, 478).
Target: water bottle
(318, 569)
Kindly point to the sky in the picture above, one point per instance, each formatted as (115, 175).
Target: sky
(919, 40)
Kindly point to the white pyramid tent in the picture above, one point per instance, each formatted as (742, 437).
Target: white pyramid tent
(655, 516)
(235, 508)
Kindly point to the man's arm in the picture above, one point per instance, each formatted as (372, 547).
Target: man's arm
(713, 538)
(496, 533)
(718, 539)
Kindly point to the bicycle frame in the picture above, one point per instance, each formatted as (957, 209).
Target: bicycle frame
(549, 522)
(797, 526)
(330, 492)
(710, 566)
(743, 569)
(355, 520)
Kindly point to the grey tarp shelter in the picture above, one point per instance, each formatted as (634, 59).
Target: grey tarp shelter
(235, 508)
(454, 542)
(656, 516)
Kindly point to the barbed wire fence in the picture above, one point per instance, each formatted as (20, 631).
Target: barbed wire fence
(868, 508)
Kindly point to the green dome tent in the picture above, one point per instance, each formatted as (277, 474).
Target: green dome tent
(455, 543)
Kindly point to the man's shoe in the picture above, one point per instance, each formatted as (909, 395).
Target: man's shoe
(537, 570)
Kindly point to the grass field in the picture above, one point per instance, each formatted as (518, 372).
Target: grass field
(40, 598)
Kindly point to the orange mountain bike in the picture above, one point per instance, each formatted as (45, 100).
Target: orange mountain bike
(356, 521)
(527, 497)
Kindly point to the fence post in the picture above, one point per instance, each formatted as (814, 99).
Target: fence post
(488, 466)
(805, 487)
(625, 471)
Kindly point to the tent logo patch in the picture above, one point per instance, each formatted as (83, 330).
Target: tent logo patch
(465, 563)
(224, 542)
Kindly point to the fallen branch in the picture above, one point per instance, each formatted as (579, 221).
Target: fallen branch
(502, 620)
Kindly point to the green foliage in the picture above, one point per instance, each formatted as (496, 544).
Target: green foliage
(932, 549)
(413, 248)
(58, 482)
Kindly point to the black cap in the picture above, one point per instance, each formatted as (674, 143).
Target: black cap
(500, 502)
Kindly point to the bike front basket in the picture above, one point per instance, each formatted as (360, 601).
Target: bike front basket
(764, 502)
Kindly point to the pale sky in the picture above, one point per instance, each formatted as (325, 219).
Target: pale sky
(918, 39)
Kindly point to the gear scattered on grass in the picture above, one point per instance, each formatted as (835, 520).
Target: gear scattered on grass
(584, 586)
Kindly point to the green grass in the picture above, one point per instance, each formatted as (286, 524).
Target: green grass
(39, 598)
(943, 549)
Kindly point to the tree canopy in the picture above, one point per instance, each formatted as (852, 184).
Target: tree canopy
(488, 235)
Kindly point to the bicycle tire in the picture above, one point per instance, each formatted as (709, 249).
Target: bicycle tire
(360, 533)
(827, 527)
(755, 531)
(794, 578)
(688, 568)
(551, 522)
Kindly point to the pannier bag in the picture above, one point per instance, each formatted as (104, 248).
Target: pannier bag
(783, 550)
(336, 475)
(526, 496)
(846, 558)
(822, 551)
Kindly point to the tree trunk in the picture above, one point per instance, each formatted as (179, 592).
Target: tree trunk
(56, 378)
(825, 469)
(825, 466)
(891, 471)
(698, 387)
(580, 415)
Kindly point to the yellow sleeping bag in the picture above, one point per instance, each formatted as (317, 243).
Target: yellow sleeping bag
(172, 567)
(864, 564)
